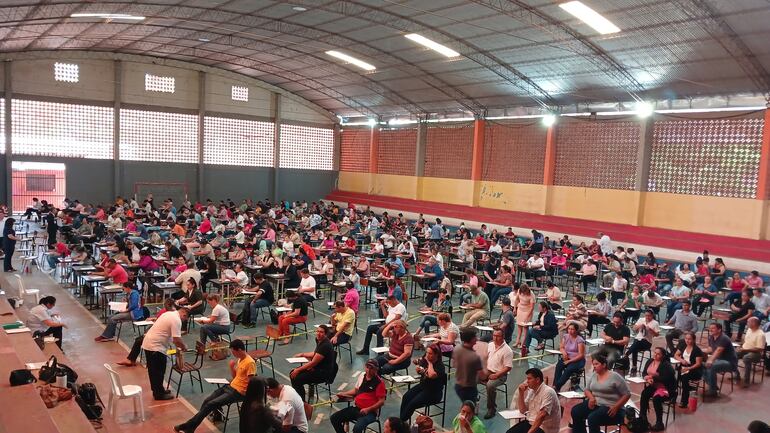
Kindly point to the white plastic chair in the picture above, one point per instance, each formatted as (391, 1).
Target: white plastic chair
(27, 292)
(122, 392)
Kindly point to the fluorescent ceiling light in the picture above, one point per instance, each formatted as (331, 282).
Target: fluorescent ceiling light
(371, 122)
(549, 120)
(644, 109)
(109, 16)
(352, 60)
(204, 39)
(590, 17)
(435, 46)
(299, 8)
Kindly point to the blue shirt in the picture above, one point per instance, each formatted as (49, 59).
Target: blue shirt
(400, 269)
(435, 269)
(436, 232)
(134, 307)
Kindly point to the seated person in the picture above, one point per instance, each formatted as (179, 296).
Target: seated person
(606, 394)
(447, 334)
(572, 359)
(290, 408)
(678, 294)
(42, 321)
(132, 312)
(600, 313)
(632, 305)
(435, 274)
(501, 286)
(263, 298)
(506, 323)
(218, 323)
(477, 309)
(238, 276)
(741, 310)
(191, 298)
(653, 301)
(660, 386)
(577, 313)
(298, 314)
(540, 403)
(544, 328)
(536, 268)
(692, 359)
(430, 390)
(322, 363)
(553, 295)
(307, 286)
(499, 364)
(392, 310)
(241, 369)
(442, 304)
(646, 328)
(396, 265)
(752, 349)
(467, 421)
(342, 323)
(368, 397)
(761, 301)
(399, 353)
(684, 321)
(616, 336)
(704, 296)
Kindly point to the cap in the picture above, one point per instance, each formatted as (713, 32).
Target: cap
(373, 364)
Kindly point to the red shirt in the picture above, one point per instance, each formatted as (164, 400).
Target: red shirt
(62, 250)
(370, 393)
(118, 275)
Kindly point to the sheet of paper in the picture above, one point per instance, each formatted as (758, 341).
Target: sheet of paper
(572, 394)
(553, 352)
(511, 414)
(666, 327)
(380, 349)
(484, 328)
(404, 379)
(18, 330)
(299, 360)
(216, 380)
(143, 323)
(34, 365)
(118, 306)
(635, 379)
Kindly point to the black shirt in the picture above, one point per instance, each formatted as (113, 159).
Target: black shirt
(9, 231)
(743, 308)
(292, 277)
(325, 349)
(617, 334)
(434, 386)
(267, 290)
(300, 303)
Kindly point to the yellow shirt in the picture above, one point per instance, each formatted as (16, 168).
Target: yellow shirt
(345, 321)
(246, 367)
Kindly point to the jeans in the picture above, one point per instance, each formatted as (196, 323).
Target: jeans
(213, 331)
(112, 324)
(497, 292)
(467, 392)
(537, 334)
(220, 397)
(636, 347)
(749, 359)
(719, 366)
(251, 308)
(387, 368)
(492, 391)
(596, 417)
(156, 370)
(671, 336)
(307, 377)
(351, 414)
(427, 322)
(374, 328)
(417, 398)
(563, 372)
(664, 289)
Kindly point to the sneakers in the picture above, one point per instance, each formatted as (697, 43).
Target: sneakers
(101, 339)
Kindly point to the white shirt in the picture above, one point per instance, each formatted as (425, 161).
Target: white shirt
(288, 248)
(242, 279)
(240, 237)
(534, 263)
(291, 409)
(606, 244)
(643, 333)
(499, 357)
(308, 283)
(495, 249)
(393, 311)
(187, 274)
(37, 315)
(166, 327)
(440, 260)
(221, 315)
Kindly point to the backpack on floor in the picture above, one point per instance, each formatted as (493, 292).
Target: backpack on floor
(636, 424)
(273, 316)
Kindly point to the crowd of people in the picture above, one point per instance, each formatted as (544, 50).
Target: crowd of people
(500, 280)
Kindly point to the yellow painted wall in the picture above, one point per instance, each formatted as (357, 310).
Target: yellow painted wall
(394, 186)
(443, 190)
(521, 197)
(746, 218)
(610, 205)
(354, 182)
(715, 215)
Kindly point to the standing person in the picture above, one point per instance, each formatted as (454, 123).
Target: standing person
(241, 369)
(167, 328)
(540, 403)
(467, 366)
(605, 397)
(290, 407)
(524, 306)
(51, 226)
(42, 322)
(256, 415)
(9, 244)
(499, 364)
(368, 397)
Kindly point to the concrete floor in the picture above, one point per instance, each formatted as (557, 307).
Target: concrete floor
(730, 413)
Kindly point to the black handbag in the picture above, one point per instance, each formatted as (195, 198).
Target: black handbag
(53, 368)
(21, 377)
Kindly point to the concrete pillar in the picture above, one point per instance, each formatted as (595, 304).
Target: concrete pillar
(549, 168)
(276, 145)
(643, 157)
(201, 132)
(8, 137)
(477, 164)
(117, 100)
(763, 189)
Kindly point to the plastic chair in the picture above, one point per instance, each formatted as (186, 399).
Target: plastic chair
(123, 392)
(28, 292)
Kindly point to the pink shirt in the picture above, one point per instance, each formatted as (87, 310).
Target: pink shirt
(352, 299)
